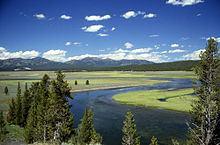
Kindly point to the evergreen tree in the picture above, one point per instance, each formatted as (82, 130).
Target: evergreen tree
(154, 141)
(87, 82)
(60, 119)
(19, 106)
(130, 136)
(25, 105)
(76, 83)
(205, 109)
(6, 90)
(30, 127)
(11, 116)
(2, 127)
(175, 142)
(86, 133)
(42, 109)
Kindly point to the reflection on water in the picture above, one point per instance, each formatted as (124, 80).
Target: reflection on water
(109, 115)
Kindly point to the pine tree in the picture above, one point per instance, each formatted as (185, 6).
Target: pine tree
(6, 90)
(130, 136)
(154, 141)
(42, 109)
(30, 127)
(19, 106)
(205, 109)
(2, 127)
(86, 133)
(76, 83)
(11, 116)
(25, 105)
(60, 119)
(87, 82)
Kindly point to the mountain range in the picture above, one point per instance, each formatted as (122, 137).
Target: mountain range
(87, 63)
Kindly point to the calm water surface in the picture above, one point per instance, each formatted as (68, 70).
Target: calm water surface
(109, 115)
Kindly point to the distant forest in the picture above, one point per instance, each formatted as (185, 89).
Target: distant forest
(166, 66)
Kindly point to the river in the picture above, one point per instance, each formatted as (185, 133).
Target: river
(109, 115)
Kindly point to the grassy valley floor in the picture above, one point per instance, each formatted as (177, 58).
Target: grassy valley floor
(179, 100)
(98, 80)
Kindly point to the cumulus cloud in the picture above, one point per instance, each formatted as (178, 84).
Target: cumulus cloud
(173, 51)
(199, 14)
(150, 15)
(174, 45)
(102, 34)
(65, 17)
(154, 35)
(129, 14)
(55, 55)
(113, 29)
(176, 51)
(194, 55)
(184, 2)
(97, 18)
(138, 53)
(68, 43)
(141, 50)
(40, 16)
(76, 43)
(128, 45)
(92, 28)
(5, 54)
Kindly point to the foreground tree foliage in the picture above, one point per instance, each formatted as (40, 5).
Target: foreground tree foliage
(154, 141)
(86, 133)
(19, 106)
(130, 136)
(2, 127)
(43, 110)
(11, 116)
(206, 109)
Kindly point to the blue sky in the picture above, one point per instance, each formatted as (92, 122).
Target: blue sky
(155, 30)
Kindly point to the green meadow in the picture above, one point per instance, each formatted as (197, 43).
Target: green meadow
(98, 80)
(179, 100)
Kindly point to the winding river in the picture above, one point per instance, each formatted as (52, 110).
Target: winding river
(109, 115)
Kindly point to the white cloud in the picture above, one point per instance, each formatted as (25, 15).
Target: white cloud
(113, 29)
(97, 18)
(102, 34)
(199, 14)
(176, 51)
(141, 50)
(194, 55)
(68, 43)
(65, 17)
(154, 35)
(184, 2)
(92, 28)
(5, 54)
(173, 51)
(174, 45)
(128, 45)
(129, 14)
(55, 55)
(150, 15)
(218, 39)
(40, 16)
(76, 43)
(139, 53)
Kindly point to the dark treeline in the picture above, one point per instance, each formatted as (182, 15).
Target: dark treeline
(166, 66)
